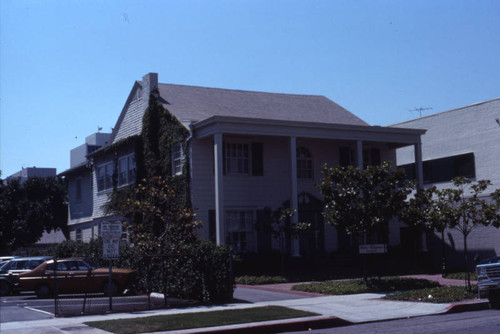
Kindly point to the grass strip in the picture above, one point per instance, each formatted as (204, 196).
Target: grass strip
(444, 294)
(462, 276)
(198, 319)
(384, 284)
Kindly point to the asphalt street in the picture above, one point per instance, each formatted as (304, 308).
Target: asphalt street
(484, 322)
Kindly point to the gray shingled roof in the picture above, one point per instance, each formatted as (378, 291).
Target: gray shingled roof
(190, 103)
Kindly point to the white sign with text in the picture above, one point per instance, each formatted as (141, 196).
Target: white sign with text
(111, 233)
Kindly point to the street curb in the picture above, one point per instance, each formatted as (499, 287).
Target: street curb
(465, 307)
(278, 327)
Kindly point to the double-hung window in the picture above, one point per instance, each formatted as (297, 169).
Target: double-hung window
(241, 232)
(177, 159)
(237, 159)
(126, 170)
(304, 163)
(105, 176)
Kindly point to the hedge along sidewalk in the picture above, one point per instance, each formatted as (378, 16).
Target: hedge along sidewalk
(398, 288)
(355, 286)
(198, 319)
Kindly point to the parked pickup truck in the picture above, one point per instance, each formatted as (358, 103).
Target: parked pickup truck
(488, 280)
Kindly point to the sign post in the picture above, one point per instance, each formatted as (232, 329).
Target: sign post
(111, 233)
(370, 249)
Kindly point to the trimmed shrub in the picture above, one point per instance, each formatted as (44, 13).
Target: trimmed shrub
(199, 270)
(258, 280)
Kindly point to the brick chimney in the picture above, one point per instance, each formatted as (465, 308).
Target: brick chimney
(149, 83)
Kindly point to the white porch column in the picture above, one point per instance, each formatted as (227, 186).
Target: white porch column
(359, 154)
(220, 228)
(419, 170)
(294, 204)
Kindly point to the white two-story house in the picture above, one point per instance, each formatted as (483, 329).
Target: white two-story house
(247, 151)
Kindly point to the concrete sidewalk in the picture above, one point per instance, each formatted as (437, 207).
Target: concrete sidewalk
(333, 311)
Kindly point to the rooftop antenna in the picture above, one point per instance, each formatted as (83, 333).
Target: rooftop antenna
(99, 128)
(420, 110)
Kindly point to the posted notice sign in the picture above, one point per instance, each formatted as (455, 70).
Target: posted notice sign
(111, 233)
(373, 249)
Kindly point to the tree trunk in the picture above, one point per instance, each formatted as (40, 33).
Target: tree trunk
(467, 276)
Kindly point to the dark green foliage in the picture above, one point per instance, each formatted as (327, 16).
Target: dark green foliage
(160, 132)
(462, 207)
(166, 252)
(385, 284)
(201, 271)
(28, 209)
(259, 280)
(70, 248)
(444, 294)
(363, 201)
(462, 275)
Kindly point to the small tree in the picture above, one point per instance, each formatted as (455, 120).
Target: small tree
(159, 226)
(464, 209)
(363, 201)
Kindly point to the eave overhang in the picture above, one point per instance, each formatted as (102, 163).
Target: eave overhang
(264, 127)
(75, 169)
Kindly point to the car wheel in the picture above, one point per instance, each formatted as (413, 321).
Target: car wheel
(4, 288)
(114, 289)
(494, 298)
(42, 291)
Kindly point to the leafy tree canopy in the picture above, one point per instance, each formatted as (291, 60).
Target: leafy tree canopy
(462, 207)
(363, 201)
(29, 209)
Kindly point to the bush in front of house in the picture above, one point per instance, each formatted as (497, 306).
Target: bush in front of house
(384, 284)
(197, 270)
(443, 294)
(201, 271)
(259, 280)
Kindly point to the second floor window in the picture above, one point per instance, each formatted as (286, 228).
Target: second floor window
(177, 159)
(304, 163)
(126, 170)
(105, 176)
(237, 159)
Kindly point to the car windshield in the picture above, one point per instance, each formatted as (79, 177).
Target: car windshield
(3, 265)
(34, 263)
(92, 263)
(491, 260)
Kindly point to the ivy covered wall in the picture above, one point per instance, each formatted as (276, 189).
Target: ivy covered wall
(153, 154)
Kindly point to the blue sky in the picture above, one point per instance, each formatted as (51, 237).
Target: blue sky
(67, 67)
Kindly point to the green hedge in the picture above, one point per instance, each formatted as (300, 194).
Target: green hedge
(200, 270)
(258, 280)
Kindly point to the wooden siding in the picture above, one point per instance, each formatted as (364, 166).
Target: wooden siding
(132, 121)
(270, 190)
